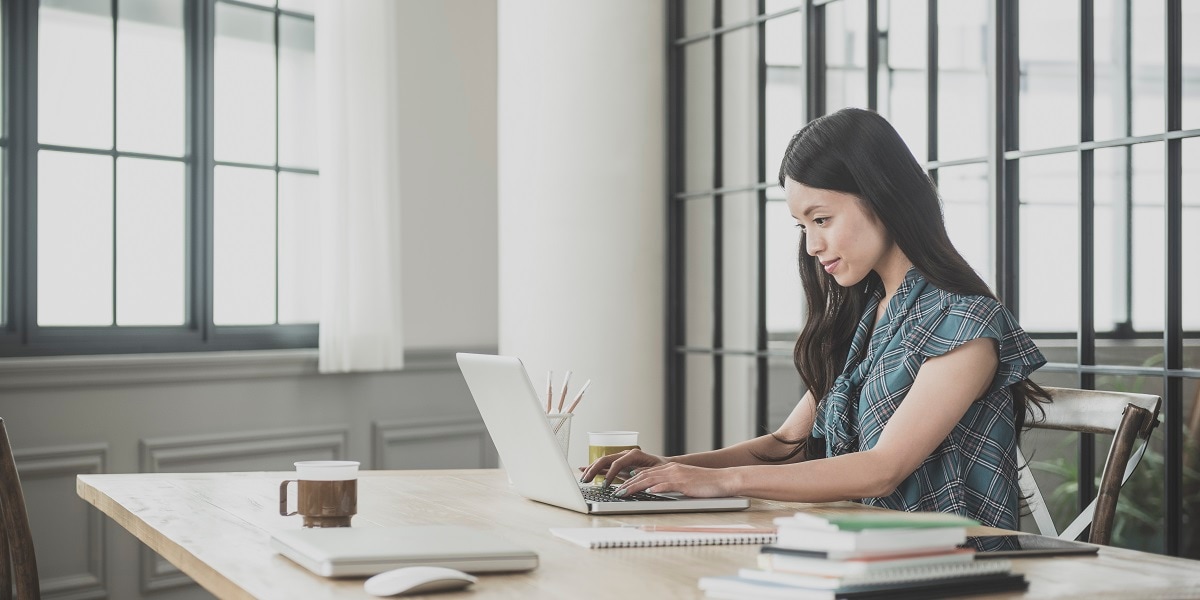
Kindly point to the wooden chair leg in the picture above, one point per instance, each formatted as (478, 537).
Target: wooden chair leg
(1132, 423)
(5, 563)
(16, 524)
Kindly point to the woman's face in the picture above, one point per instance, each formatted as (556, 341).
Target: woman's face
(839, 230)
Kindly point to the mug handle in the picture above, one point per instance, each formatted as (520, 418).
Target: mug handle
(283, 512)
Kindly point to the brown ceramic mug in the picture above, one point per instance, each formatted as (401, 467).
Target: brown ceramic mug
(326, 492)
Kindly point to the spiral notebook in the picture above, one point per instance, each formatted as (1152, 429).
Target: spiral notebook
(633, 537)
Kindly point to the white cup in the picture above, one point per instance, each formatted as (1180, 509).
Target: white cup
(326, 470)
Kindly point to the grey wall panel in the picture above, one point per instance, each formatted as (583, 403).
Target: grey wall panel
(68, 533)
(432, 443)
(243, 451)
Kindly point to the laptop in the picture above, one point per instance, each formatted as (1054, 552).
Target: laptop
(357, 551)
(518, 426)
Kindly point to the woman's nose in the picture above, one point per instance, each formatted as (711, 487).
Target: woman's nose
(812, 244)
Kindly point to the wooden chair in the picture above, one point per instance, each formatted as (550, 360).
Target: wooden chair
(1128, 418)
(17, 560)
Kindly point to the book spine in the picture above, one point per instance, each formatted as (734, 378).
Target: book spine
(873, 540)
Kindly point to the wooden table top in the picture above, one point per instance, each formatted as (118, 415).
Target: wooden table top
(214, 527)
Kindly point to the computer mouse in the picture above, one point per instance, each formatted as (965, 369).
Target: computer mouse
(416, 580)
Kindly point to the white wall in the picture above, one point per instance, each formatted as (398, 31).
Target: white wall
(448, 172)
(581, 203)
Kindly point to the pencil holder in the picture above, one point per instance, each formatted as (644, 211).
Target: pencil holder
(560, 425)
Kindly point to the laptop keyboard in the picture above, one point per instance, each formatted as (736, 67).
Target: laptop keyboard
(596, 493)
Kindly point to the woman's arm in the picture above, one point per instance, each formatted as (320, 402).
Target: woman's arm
(944, 389)
(797, 426)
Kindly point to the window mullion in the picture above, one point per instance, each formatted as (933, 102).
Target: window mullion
(115, 4)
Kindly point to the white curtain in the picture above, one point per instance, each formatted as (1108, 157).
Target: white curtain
(357, 96)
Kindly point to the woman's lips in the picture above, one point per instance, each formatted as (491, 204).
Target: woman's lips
(831, 265)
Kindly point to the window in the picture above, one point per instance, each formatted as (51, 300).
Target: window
(161, 194)
(1064, 140)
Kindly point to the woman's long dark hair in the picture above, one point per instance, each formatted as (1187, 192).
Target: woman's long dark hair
(858, 152)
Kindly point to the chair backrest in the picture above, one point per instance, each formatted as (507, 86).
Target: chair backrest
(16, 540)
(1128, 417)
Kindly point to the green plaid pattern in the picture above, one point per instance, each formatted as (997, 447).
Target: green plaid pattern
(973, 472)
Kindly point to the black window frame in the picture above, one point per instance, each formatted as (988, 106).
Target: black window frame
(20, 334)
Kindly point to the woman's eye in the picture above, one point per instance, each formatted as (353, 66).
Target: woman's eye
(800, 227)
(820, 220)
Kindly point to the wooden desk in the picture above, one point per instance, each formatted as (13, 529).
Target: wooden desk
(214, 528)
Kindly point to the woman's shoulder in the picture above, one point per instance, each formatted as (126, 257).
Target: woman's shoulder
(946, 320)
(941, 305)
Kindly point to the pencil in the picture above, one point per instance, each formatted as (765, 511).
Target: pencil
(579, 396)
(563, 398)
(549, 390)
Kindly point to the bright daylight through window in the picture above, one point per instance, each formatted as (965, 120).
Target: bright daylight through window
(149, 230)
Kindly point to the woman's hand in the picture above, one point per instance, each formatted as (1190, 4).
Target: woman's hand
(697, 482)
(609, 466)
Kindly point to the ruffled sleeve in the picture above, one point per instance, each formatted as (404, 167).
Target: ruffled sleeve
(963, 319)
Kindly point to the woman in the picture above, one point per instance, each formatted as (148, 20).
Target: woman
(917, 375)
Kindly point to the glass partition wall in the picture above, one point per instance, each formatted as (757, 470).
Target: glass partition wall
(1063, 138)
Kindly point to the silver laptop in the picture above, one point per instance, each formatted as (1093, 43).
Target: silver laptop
(518, 426)
(356, 551)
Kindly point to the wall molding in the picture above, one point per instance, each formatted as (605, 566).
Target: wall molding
(68, 461)
(385, 434)
(134, 369)
(159, 454)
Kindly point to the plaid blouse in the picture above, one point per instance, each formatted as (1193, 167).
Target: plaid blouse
(973, 472)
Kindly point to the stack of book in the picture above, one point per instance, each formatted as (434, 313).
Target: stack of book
(865, 555)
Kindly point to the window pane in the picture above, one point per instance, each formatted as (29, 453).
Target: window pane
(245, 85)
(698, 116)
(698, 383)
(1049, 253)
(697, 16)
(773, 6)
(1049, 63)
(299, 249)
(75, 73)
(297, 93)
(1191, 65)
(968, 214)
(261, 2)
(903, 54)
(304, 6)
(150, 242)
(785, 299)
(739, 264)
(963, 130)
(1191, 241)
(1110, 250)
(1149, 255)
(74, 246)
(243, 246)
(1149, 64)
(1130, 283)
(1130, 62)
(150, 76)
(785, 91)
(1111, 97)
(845, 54)
(739, 107)
(698, 272)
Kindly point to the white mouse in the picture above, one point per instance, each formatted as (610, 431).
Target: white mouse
(416, 580)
